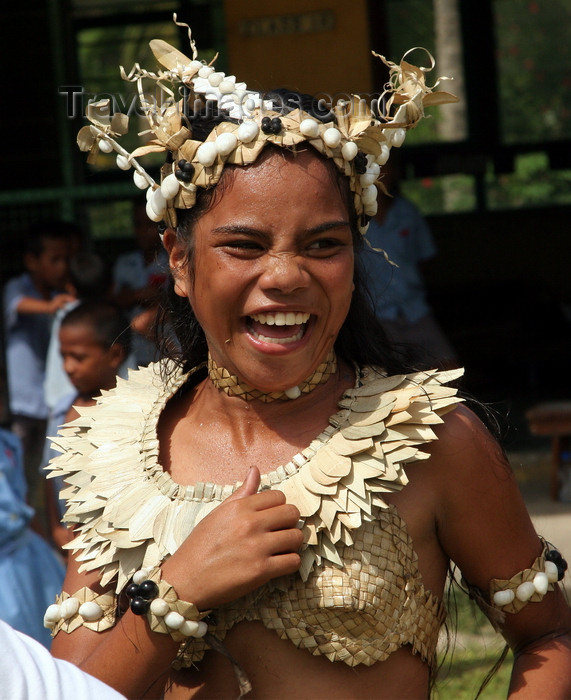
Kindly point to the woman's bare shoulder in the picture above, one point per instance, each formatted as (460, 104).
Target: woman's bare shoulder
(482, 521)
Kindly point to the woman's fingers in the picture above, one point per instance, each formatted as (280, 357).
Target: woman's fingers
(249, 487)
(283, 541)
(283, 565)
(279, 517)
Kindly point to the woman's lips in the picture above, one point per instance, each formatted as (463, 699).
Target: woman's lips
(278, 327)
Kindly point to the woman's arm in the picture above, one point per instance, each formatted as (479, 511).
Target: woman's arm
(249, 539)
(485, 529)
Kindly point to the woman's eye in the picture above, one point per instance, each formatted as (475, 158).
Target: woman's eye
(244, 245)
(324, 244)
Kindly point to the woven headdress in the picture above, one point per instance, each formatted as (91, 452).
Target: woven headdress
(357, 138)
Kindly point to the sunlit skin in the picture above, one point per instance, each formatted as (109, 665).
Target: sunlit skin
(278, 239)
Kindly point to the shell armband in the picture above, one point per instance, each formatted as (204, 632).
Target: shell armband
(151, 596)
(529, 585)
(85, 607)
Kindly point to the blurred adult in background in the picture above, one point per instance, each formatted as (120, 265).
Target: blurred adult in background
(137, 277)
(398, 289)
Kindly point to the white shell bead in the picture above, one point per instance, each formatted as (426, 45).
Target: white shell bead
(140, 180)
(309, 128)
(226, 143)
(189, 628)
(159, 607)
(541, 582)
(195, 66)
(91, 611)
(524, 591)
(69, 608)
(332, 137)
(502, 598)
(140, 576)
(398, 137)
(247, 131)
(215, 79)
(151, 213)
(205, 71)
(123, 162)
(371, 208)
(369, 194)
(149, 193)
(227, 86)
(349, 150)
(367, 178)
(293, 393)
(375, 169)
(170, 186)
(52, 614)
(157, 201)
(383, 156)
(105, 146)
(551, 571)
(174, 620)
(202, 629)
(206, 154)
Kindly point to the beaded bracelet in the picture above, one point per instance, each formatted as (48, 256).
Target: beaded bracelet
(151, 596)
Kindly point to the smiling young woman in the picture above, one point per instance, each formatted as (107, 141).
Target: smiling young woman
(276, 246)
(301, 489)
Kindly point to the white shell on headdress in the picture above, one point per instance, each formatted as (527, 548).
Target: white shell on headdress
(349, 150)
(226, 143)
(170, 186)
(248, 131)
(206, 153)
(309, 128)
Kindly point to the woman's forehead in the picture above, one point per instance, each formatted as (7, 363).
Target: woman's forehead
(280, 177)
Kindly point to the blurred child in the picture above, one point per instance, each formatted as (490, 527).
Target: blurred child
(138, 276)
(94, 341)
(89, 278)
(30, 300)
(30, 571)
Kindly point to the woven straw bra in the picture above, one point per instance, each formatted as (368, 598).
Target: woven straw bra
(358, 596)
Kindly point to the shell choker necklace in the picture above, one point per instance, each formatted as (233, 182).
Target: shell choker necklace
(231, 385)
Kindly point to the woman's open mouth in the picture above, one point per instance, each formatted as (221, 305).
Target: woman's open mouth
(278, 327)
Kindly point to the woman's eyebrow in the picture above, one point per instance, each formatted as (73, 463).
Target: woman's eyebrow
(328, 225)
(236, 228)
(245, 228)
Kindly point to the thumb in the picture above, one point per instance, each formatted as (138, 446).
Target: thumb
(249, 486)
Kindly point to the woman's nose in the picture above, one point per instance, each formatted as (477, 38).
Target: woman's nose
(284, 272)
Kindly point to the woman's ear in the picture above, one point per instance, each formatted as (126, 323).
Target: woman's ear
(177, 262)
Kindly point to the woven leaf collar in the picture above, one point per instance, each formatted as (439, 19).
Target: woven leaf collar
(132, 514)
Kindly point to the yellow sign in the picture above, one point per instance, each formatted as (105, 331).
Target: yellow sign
(314, 46)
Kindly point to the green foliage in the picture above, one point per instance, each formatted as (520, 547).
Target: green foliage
(475, 648)
(534, 59)
(432, 195)
(531, 184)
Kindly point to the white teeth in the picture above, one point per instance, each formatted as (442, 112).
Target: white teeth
(278, 341)
(282, 319)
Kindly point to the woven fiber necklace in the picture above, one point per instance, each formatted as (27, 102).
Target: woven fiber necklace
(231, 385)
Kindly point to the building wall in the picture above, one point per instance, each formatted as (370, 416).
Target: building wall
(313, 46)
